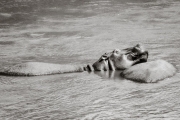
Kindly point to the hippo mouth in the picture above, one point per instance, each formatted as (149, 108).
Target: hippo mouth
(137, 52)
(133, 56)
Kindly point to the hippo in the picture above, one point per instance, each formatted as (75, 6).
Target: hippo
(132, 61)
(115, 60)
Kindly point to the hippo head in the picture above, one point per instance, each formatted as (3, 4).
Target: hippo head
(121, 59)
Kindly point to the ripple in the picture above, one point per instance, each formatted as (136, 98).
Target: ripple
(79, 32)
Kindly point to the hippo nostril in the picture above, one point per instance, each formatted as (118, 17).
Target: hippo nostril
(117, 51)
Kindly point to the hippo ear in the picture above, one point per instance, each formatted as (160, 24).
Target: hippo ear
(105, 56)
(138, 45)
(102, 58)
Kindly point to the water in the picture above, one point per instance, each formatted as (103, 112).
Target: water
(79, 32)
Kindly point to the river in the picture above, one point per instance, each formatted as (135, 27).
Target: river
(79, 32)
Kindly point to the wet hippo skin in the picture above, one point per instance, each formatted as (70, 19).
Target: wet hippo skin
(149, 72)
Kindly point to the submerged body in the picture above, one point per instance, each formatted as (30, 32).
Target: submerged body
(40, 68)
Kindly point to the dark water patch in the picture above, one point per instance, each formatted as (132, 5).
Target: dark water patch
(28, 58)
(120, 21)
(56, 34)
(133, 16)
(11, 36)
(4, 16)
(62, 3)
(7, 42)
(153, 17)
(132, 1)
(4, 26)
(160, 16)
(152, 21)
(18, 5)
(175, 22)
(66, 12)
(157, 5)
(165, 45)
(162, 46)
(19, 18)
(36, 5)
(155, 42)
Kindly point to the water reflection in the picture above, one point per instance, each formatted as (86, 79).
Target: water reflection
(114, 75)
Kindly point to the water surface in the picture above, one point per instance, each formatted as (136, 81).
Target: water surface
(79, 32)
